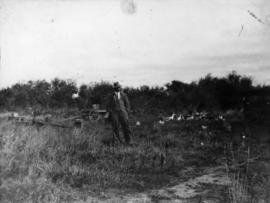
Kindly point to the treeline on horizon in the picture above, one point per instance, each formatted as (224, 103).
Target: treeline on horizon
(208, 93)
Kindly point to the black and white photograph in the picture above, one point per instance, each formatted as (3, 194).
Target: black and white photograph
(135, 101)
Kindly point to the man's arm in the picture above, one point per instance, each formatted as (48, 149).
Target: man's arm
(126, 102)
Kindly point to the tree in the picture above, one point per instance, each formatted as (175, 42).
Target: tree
(61, 93)
(100, 92)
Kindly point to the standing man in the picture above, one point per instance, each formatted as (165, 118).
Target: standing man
(119, 107)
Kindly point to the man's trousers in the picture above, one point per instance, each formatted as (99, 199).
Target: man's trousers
(120, 118)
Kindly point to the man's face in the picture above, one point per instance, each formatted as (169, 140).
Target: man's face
(116, 89)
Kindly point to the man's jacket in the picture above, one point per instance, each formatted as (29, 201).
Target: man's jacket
(118, 105)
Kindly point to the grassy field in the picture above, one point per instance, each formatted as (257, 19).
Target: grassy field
(50, 164)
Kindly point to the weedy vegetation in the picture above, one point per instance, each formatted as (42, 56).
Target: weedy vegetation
(54, 164)
(50, 164)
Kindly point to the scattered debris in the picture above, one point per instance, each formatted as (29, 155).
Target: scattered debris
(180, 117)
(170, 118)
(94, 114)
(190, 118)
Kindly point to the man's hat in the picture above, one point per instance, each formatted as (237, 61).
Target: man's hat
(116, 85)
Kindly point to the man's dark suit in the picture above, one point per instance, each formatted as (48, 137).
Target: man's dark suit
(119, 108)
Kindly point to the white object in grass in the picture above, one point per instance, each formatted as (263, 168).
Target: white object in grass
(172, 116)
(161, 122)
(75, 96)
(180, 117)
(190, 118)
(107, 115)
(204, 127)
(15, 114)
(221, 118)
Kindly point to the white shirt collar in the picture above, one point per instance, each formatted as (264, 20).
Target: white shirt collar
(118, 94)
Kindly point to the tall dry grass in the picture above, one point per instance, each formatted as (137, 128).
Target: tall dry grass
(249, 174)
(49, 164)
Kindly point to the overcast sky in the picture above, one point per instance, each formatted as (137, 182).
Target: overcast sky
(134, 41)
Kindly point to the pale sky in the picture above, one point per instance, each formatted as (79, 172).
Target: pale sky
(152, 43)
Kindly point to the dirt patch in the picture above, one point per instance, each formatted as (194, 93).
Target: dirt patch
(192, 190)
(197, 186)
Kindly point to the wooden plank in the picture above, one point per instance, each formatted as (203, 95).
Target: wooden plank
(41, 122)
